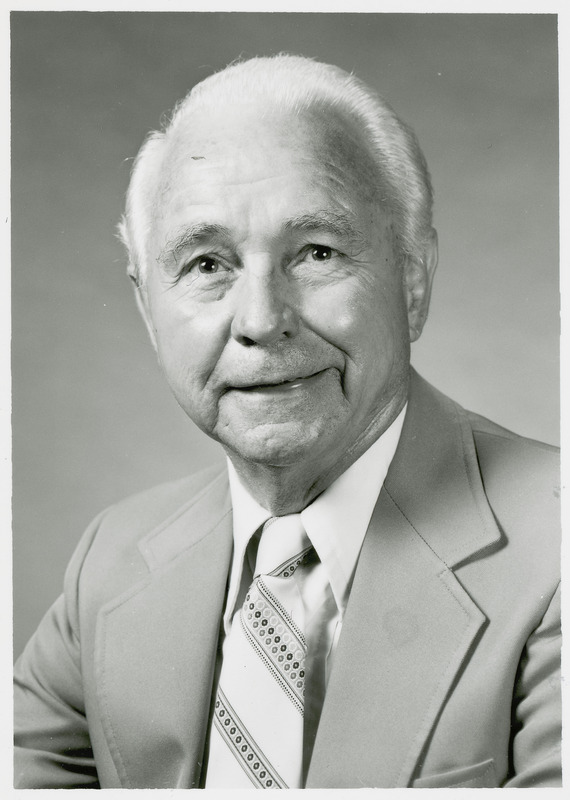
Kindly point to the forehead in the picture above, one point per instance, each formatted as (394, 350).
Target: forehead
(233, 146)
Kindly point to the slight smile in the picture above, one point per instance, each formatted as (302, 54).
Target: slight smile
(282, 387)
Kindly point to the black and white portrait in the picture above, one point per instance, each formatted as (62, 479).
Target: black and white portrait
(285, 400)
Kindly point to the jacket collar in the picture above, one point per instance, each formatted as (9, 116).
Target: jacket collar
(434, 478)
(190, 523)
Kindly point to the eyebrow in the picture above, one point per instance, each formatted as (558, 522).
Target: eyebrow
(326, 222)
(191, 235)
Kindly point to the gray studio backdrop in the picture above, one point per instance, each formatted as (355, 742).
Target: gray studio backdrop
(93, 418)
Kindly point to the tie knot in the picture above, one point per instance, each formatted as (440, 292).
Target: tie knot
(282, 546)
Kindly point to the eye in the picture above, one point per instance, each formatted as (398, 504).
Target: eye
(207, 265)
(320, 252)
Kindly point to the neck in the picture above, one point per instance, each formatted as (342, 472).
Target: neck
(289, 488)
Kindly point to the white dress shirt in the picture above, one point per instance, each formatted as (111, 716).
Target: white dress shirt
(336, 523)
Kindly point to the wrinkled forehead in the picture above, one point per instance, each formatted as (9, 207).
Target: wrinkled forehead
(212, 140)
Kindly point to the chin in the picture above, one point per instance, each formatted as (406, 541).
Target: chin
(277, 444)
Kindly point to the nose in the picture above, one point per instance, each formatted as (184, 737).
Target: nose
(265, 311)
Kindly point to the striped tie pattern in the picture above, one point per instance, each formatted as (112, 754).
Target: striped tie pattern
(257, 732)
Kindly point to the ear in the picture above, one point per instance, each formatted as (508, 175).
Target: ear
(143, 306)
(418, 282)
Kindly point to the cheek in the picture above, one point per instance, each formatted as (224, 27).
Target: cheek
(367, 321)
(189, 343)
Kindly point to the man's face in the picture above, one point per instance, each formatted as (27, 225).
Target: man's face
(278, 309)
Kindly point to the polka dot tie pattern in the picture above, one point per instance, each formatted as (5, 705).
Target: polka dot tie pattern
(257, 732)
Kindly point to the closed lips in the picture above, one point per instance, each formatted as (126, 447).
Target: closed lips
(270, 384)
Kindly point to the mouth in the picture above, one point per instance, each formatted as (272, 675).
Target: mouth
(282, 386)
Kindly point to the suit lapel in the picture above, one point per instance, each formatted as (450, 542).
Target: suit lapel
(156, 647)
(409, 625)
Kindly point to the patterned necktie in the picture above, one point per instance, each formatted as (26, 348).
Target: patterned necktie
(257, 732)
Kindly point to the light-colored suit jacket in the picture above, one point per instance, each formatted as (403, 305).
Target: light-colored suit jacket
(447, 668)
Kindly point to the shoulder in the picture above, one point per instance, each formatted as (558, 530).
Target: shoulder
(108, 555)
(521, 480)
(507, 458)
(145, 510)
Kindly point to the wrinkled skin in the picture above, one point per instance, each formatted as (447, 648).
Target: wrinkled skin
(275, 299)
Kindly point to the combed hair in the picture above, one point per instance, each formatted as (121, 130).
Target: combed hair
(297, 84)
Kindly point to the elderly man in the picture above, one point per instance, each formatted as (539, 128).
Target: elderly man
(367, 595)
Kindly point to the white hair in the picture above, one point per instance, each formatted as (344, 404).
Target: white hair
(297, 84)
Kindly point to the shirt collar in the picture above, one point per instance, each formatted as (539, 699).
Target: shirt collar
(336, 521)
